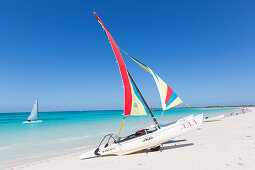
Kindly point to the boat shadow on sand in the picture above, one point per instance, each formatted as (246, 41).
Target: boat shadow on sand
(162, 148)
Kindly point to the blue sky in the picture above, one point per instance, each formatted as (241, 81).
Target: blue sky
(56, 51)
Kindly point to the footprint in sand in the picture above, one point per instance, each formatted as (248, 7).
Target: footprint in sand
(241, 164)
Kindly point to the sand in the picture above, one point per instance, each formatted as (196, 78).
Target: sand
(225, 144)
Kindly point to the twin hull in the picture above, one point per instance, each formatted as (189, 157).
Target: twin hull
(216, 118)
(33, 121)
(164, 134)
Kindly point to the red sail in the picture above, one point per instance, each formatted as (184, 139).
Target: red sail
(123, 70)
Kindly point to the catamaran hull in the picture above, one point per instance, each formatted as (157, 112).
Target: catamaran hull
(149, 140)
(216, 118)
(33, 121)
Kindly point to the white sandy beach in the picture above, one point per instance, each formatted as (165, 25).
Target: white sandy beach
(225, 144)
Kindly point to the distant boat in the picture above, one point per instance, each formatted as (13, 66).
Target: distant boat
(33, 117)
(212, 119)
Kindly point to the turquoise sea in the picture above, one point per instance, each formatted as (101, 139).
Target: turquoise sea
(66, 130)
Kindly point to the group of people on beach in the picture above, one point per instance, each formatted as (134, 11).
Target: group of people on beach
(243, 111)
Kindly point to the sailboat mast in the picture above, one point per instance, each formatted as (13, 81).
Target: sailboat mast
(153, 117)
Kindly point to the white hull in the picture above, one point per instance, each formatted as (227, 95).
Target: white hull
(164, 134)
(33, 121)
(216, 118)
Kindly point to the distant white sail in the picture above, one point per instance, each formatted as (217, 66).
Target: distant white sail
(34, 112)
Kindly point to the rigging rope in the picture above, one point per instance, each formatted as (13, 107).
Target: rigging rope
(123, 120)
(161, 116)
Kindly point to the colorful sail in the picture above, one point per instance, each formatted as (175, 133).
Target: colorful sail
(168, 97)
(133, 105)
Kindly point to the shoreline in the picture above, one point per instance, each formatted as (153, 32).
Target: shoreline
(209, 107)
(195, 107)
(237, 134)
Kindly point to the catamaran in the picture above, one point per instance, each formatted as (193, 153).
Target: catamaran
(134, 104)
(33, 117)
(212, 119)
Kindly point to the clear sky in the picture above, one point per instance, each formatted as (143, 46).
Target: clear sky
(56, 50)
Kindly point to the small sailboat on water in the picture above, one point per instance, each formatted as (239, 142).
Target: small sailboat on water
(134, 104)
(33, 117)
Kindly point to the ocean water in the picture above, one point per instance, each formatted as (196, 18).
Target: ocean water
(74, 129)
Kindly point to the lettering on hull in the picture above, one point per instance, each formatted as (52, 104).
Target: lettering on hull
(147, 138)
(107, 150)
(189, 124)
